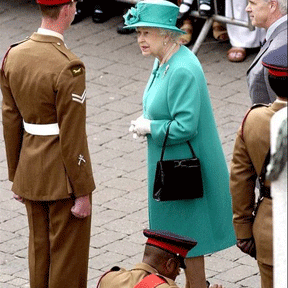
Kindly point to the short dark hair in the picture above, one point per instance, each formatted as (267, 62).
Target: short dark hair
(279, 85)
(52, 11)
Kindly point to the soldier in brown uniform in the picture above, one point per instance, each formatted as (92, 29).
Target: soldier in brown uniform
(254, 233)
(163, 257)
(44, 118)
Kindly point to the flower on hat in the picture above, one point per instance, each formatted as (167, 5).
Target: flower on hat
(132, 16)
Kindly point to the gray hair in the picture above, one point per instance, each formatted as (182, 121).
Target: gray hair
(282, 6)
(174, 35)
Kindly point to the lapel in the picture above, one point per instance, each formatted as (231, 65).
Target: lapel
(264, 48)
(261, 52)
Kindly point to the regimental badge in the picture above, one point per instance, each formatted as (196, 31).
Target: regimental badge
(81, 159)
(79, 98)
(77, 71)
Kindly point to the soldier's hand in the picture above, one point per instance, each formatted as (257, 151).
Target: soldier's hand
(18, 198)
(216, 286)
(82, 207)
(247, 246)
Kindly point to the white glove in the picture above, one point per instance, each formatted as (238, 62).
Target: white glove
(140, 126)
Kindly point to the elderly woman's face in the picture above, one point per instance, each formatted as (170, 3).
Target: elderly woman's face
(150, 41)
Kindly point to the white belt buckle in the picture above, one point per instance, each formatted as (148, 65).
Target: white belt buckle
(41, 129)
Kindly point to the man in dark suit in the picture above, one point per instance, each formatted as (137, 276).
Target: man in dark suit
(271, 15)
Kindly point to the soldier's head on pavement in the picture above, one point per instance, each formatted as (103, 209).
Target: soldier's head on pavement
(63, 10)
(263, 13)
(166, 251)
(276, 63)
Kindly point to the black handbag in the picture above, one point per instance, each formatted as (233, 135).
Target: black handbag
(177, 179)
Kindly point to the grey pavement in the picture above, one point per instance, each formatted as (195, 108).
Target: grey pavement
(116, 77)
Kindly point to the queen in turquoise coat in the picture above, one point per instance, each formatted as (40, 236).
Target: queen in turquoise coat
(177, 92)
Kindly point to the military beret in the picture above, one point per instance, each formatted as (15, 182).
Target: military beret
(276, 62)
(53, 2)
(170, 242)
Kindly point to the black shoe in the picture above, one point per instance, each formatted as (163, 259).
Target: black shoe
(185, 15)
(205, 10)
(99, 16)
(82, 12)
(123, 31)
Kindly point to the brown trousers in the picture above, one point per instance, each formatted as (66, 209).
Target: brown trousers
(263, 235)
(58, 245)
(266, 273)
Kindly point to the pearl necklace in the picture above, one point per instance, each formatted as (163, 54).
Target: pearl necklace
(168, 54)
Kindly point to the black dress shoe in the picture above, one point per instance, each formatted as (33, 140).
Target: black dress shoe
(182, 16)
(82, 11)
(99, 16)
(205, 9)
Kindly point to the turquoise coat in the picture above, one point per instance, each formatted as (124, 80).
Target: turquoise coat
(178, 91)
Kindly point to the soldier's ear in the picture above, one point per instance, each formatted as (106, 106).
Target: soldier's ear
(171, 265)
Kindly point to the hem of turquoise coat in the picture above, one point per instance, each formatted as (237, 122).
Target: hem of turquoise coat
(191, 254)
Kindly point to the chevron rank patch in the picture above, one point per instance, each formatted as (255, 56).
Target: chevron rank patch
(79, 98)
(77, 71)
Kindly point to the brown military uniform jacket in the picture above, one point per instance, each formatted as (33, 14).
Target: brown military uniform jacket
(129, 278)
(251, 147)
(43, 82)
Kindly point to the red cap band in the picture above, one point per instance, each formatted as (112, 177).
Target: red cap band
(53, 2)
(168, 247)
(278, 73)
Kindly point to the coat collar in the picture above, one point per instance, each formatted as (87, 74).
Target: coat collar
(276, 106)
(44, 31)
(46, 38)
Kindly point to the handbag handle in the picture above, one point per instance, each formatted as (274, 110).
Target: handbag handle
(165, 140)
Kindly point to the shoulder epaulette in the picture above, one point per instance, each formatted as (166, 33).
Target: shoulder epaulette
(151, 281)
(113, 269)
(11, 46)
(258, 105)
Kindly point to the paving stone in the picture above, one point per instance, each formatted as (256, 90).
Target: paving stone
(107, 216)
(214, 264)
(107, 194)
(124, 184)
(252, 281)
(106, 261)
(124, 247)
(105, 238)
(15, 224)
(238, 273)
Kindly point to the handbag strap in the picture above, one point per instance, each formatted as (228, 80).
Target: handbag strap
(165, 140)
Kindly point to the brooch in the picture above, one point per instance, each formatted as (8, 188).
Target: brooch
(166, 70)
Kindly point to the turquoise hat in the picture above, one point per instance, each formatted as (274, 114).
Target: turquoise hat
(153, 13)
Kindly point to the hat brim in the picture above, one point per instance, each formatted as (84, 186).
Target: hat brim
(153, 25)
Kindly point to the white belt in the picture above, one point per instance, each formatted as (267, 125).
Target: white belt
(41, 129)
